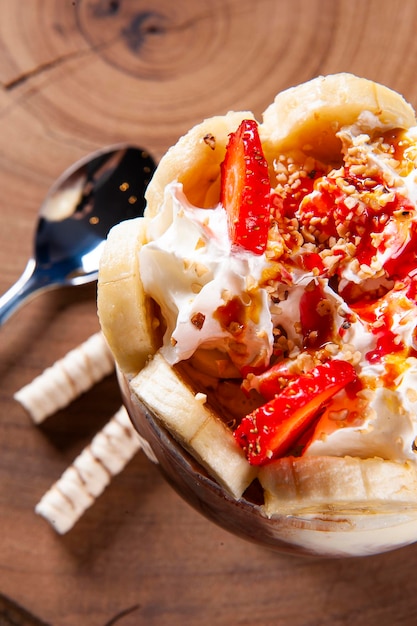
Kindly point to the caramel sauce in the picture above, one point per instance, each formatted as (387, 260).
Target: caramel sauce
(232, 315)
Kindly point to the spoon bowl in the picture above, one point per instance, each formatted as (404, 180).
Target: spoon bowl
(97, 192)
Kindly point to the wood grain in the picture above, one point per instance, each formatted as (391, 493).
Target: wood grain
(80, 74)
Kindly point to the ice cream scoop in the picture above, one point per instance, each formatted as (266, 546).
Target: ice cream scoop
(97, 192)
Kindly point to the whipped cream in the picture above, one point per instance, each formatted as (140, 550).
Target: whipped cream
(190, 270)
(214, 296)
(384, 426)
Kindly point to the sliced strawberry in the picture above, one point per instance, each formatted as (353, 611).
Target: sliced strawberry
(245, 189)
(272, 429)
(271, 382)
(316, 316)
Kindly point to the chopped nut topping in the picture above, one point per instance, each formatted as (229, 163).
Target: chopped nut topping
(197, 320)
(210, 140)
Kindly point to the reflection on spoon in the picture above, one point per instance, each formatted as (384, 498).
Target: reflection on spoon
(80, 208)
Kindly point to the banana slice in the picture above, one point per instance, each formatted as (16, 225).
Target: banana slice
(195, 162)
(307, 117)
(125, 312)
(194, 424)
(337, 485)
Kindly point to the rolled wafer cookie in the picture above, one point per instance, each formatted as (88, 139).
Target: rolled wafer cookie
(90, 473)
(67, 378)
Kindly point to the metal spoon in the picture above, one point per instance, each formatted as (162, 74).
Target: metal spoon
(75, 217)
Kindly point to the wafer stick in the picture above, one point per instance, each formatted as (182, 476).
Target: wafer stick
(90, 473)
(67, 378)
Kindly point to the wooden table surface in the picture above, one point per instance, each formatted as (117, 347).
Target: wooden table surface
(78, 75)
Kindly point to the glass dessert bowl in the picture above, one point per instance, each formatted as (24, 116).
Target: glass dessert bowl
(262, 315)
(354, 533)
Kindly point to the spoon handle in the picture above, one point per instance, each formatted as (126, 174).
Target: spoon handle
(24, 288)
